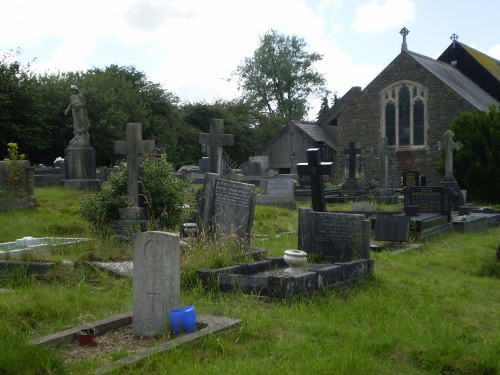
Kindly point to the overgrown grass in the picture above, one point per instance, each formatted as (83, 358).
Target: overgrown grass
(434, 310)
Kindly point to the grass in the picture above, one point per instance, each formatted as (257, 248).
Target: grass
(434, 310)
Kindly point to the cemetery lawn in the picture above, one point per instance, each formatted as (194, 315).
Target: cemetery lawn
(434, 310)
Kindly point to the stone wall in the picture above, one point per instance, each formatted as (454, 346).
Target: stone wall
(361, 122)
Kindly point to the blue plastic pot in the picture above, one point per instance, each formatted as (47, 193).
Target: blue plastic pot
(183, 320)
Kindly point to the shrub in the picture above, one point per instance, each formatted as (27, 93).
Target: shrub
(163, 194)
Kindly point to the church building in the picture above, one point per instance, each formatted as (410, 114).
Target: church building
(412, 103)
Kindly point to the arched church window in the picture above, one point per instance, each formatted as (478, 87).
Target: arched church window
(404, 110)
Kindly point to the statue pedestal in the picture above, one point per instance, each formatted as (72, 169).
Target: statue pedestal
(80, 168)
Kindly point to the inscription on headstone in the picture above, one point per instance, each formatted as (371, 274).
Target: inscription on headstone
(339, 237)
(429, 199)
(156, 279)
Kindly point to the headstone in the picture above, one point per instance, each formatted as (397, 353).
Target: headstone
(385, 194)
(204, 164)
(234, 206)
(429, 199)
(352, 151)
(411, 178)
(227, 207)
(156, 281)
(316, 170)
(278, 192)
(338, 237)
(214, 142)
(133, 147)
(251, 169)
(394, 228)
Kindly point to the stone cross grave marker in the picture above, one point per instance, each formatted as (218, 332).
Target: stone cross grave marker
(156, 279)
(214, 141)
(352, 151)
(133, 147)
(382, 163)
(316, 170)
(450, 146)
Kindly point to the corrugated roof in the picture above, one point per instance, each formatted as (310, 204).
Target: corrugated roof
(315, 132)
(456, 81)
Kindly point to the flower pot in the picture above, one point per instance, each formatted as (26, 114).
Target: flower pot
(86, 336)
(296, 260)
(183, 320)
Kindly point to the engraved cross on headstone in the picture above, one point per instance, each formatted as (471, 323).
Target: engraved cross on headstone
(316, 170)
(214, 141)
(133, 147)
(153, 294)
(450, 146)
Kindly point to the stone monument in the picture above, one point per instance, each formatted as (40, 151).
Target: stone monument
(156, 281)
(449, 180)
(80, 157)
(214, 142)
(352, 151)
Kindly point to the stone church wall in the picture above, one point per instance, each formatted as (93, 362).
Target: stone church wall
(361, 122)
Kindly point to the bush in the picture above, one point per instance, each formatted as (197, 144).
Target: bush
(163, 194)
(476, 165)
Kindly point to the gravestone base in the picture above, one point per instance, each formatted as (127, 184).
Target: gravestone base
(130, 220)
(268, 278)
(457, 197)
(387, 196)
(80, 168)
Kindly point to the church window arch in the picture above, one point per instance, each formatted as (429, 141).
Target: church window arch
(404, 114)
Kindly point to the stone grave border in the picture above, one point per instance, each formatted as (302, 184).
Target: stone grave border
(210, 325)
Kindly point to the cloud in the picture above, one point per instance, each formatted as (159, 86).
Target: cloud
(378, 16)
(494, 51)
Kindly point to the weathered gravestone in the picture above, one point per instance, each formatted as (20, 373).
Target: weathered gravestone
(385, 194)
(352, 151)
(338, 237)
(227, 207)
(277, 192)
(316, 169)
(214, 142)
(449, 180)
(249, 168)
(133, 147)
(393, 228)
(156, 279)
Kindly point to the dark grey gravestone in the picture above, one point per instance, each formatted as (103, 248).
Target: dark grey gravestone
(338, 237)
(251, 169)
(352, 151)
(394, 228)
(411, 178)
(429, 199)
(156, 280)
(316, 170)
(233, 207)
(214, 141)
(204, 164)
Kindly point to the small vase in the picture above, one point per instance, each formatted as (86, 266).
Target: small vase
(296, 260)
(86, 336)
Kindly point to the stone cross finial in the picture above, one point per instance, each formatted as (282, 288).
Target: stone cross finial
(404, 31)
(454, 37)
(450, 146)
(133, 147)
(215, 140)
(316, 169)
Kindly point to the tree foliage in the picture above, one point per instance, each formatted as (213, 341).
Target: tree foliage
(476, 165)
(23, 116)
(280, 77)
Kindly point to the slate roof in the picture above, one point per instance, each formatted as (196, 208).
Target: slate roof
(315, 133)
(457, 81)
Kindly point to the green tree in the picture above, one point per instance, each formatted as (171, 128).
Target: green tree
(476, 164)
(280, 77)
(23, 116)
